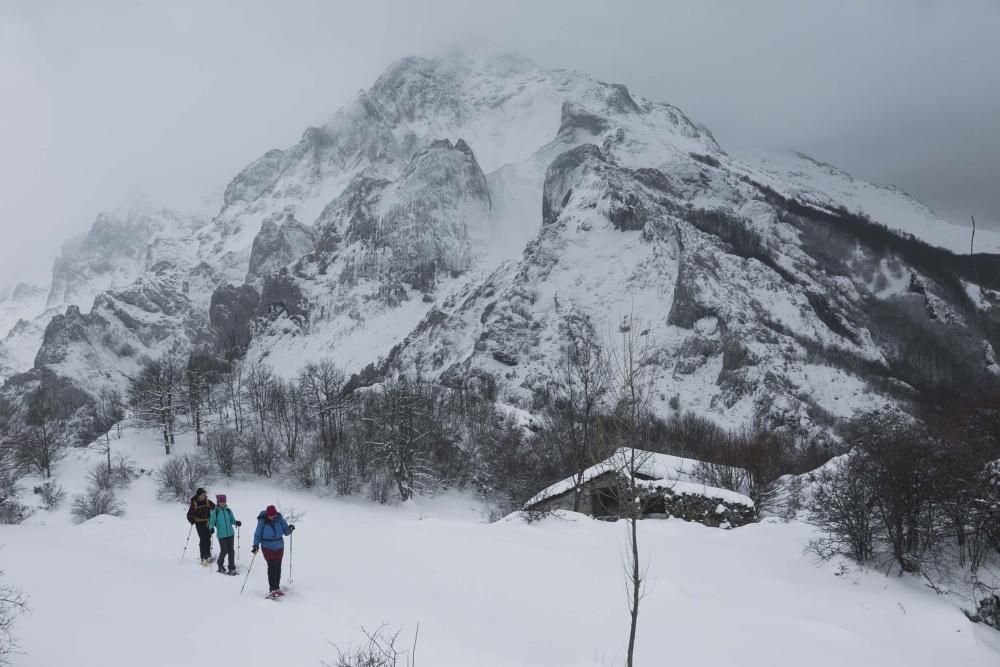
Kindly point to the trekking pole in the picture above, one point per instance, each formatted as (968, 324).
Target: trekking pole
(249, 567)
(291, 550)
(237, 545)
(184, 553)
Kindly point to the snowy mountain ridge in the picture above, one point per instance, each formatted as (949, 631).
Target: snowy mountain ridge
(464, 216)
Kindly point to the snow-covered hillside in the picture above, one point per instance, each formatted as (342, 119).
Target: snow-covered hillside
(114, 590)
(464, 216)
(799, 175)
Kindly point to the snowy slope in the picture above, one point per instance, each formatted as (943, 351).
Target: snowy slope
(497, 595)
(799, 175)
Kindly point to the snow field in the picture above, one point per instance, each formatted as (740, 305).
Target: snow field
(114, 592)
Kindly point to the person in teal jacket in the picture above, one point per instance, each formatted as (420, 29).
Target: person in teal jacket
(223, 523)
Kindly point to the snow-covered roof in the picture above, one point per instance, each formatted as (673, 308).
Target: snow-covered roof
(662, 470)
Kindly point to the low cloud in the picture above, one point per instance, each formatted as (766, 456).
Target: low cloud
(107, 97)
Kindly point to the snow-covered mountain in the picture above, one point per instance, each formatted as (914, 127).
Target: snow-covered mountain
(123, 250)
(462, 217)
(19, 305)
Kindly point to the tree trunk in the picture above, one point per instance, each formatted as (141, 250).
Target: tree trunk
(636, 578)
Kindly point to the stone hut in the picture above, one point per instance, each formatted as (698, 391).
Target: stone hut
(669, 487)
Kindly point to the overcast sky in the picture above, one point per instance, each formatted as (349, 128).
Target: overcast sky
(102, 98)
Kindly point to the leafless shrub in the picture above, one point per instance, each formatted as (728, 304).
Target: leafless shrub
(262, 455)
(530, 516)
(378, 651)
(843, 508)
(123, 471)
(12, 605)
(180, 476)
(100, 476)
(291, 513)
(223, 450)
(96, 502)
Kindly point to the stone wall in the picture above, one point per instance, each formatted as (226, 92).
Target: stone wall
(599, 500)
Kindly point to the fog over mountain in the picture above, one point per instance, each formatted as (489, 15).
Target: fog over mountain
(170, 100)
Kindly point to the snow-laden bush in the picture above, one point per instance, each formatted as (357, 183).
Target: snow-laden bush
(51, 493)
(181, 476)
(123, 471)
(118, 475)
(987, 611)
(12, 512)
(96, 502)
(101, 476)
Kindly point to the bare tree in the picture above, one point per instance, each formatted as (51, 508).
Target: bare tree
(106, 411)
(42, 434)
(579, 389)
(630, 363)
(398, 433)
(324, 401)
(156, 395)
(201, 374)
(286, 406)
(260, 386)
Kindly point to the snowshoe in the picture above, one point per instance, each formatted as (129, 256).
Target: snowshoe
(273, 595)
(220, 570)
(233, 573)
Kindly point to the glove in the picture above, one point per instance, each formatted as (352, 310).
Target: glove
(253, 549)
(239, 523)
(211, 531)
(291, 528)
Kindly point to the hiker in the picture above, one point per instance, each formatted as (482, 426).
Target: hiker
(221, 523)
(271, 529)
(198, 514)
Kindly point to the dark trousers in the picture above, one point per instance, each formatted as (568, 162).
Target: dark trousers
(204, 539)
(273, 558)
(226, 549)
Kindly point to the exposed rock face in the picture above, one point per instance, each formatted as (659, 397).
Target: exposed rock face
(231, 312)
(104, 347)
(119, 248)
(281, 240)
